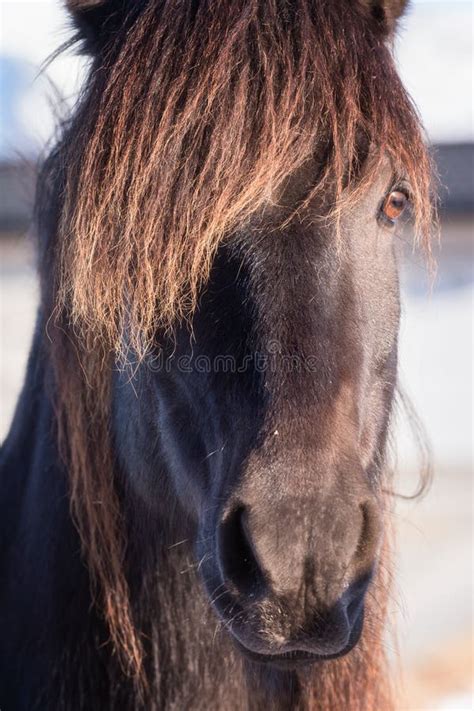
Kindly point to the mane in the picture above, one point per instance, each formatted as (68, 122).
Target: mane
(191, 121)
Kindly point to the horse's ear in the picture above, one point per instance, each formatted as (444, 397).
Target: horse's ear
(98, 20)
(385, 13)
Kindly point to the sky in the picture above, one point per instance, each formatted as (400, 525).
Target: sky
(434, 50)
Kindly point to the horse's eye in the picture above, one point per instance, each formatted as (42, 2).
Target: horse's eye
(394, 205)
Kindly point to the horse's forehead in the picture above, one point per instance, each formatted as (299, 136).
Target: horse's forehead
(314, 236)
(325, 296)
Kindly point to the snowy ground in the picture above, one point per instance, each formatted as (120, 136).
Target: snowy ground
(435, 562)
(435, 565)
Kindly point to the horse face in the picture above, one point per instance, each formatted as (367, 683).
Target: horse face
(270, 415)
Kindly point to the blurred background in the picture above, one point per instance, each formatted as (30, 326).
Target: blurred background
(433, 601)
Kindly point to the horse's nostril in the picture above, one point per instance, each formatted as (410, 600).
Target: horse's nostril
(238, 561)
(369, 537)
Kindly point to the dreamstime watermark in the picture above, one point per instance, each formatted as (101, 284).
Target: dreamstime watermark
(273, 360)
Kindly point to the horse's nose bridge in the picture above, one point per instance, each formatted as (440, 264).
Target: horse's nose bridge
(284, 538)
(307, 545)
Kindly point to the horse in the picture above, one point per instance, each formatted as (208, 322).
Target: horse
(195, 487)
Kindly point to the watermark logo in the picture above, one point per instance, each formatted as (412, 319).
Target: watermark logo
(273, 359)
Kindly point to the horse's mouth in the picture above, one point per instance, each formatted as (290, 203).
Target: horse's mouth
(299, 657)
(287, 660)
